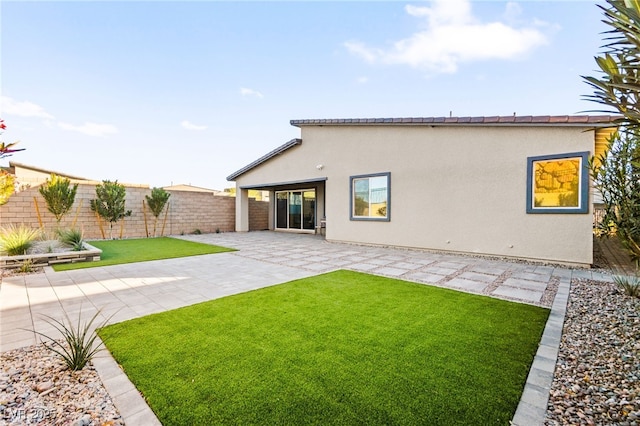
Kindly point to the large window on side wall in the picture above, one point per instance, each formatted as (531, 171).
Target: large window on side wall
(558, 183)
(371, 197)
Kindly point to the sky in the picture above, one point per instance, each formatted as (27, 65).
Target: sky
(162, 93)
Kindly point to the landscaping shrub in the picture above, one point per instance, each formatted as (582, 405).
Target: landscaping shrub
(26, 267)
(157, 202)
(617, 179)
(7, 186)
(72, 237)
(628, 285)
(78, 347)
(109, 203)
(59, 195)
(17, 239)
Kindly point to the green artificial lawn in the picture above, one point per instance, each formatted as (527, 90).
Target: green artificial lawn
(338, 348)
(115, 252)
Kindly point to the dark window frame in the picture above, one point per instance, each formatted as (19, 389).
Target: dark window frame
(351, 198)
(584, 182)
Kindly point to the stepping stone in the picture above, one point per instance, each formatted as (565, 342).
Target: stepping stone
(424, 277)
(474, 276)
(532, 276)
(526, 284)
(439, 271)
(394, 272)
(518, 293)
(466, 284)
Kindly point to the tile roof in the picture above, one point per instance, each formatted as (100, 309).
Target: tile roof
(534, 120)
(279, 150)
(13, 165)
(507, 120)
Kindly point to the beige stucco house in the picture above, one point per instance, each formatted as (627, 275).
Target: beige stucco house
(514, 186)
(31, 176)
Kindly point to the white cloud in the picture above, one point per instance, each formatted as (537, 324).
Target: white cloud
(512, 12)
(362, 80)
(28, 109)
(190, 126)
(90, 129)
(250, 92)
(454, 36)
(23, 109)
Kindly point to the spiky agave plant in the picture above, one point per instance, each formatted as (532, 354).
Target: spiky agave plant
(628, 285)
(73, 237)
(78, 347)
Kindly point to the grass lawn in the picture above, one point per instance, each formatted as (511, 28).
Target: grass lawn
(115, 252)
(338, 348)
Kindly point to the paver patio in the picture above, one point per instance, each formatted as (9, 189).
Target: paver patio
(264, 258)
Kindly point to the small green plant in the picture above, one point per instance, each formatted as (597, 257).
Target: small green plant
(72, 237)
(217, 230)
(26, 267)
(17, 239)
(78, 347)
(628, 285)
(197, 232)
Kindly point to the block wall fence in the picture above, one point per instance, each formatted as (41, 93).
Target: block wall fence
(188, 211)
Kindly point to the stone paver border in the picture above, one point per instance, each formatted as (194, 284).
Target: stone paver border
(532, 408)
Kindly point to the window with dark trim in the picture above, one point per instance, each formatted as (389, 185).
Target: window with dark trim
(370, 197)
(558, 183)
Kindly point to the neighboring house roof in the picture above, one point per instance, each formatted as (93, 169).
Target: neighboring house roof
(279, 150)
(534, 120)
(13, 165)
(185, 187)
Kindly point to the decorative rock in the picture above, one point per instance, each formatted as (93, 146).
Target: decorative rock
(61, 398)
(596, 378)
(83, 421)
(41, 387)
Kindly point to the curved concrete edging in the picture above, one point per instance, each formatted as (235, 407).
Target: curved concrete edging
(532, 408)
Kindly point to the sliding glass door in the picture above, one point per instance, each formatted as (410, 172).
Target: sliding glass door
(296, 209)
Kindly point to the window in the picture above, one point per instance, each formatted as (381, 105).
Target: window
(370, 197)
(558, 183)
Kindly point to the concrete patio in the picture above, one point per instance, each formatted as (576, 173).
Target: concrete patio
(263, 258)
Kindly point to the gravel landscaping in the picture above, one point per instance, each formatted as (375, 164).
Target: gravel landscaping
(597, 378)
(37, 388)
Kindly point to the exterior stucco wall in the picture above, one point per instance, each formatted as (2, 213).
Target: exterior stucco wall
(453, 188)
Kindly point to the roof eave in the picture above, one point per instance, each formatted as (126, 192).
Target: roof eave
(279, 150)
(511, 120)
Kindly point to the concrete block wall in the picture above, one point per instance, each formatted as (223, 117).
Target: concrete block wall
(258, 215)
(188, 212)
(191, 211)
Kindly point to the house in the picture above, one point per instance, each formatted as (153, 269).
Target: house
(31, 176)
(508, 186)
(191, 188)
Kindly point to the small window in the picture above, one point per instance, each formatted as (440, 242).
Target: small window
(558, 183)
(370, 197)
